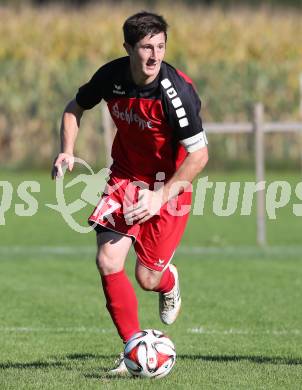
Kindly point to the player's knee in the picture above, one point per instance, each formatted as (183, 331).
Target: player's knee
(147, 281)
(106, 264)
(146, 284)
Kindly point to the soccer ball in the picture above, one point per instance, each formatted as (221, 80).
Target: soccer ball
(150, 354)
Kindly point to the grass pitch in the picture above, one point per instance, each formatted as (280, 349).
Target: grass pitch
(240, 325)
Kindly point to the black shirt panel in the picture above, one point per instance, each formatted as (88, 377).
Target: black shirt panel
(181, 104)
(110, 75)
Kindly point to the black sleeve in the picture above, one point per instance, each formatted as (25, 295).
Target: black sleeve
(183, 110)
(91, 93)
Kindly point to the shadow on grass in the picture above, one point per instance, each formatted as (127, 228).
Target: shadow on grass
(66, 362)
(239, 358)
(29, 366)
(56, 361)
(106, 375)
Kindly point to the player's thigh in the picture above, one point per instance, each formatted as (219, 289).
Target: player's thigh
(112, 251)
(159, 237)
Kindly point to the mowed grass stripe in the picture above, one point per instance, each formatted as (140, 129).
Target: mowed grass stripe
(240, 251)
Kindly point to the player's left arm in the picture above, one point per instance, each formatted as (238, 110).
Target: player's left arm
(193, 164)
(189, 130)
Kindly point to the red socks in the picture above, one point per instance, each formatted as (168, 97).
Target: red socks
(167, 282)
(121, 303)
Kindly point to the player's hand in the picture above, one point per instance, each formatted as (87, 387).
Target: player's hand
(60, 161)
(148, 205)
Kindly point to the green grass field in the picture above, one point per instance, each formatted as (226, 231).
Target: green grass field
(240, 325)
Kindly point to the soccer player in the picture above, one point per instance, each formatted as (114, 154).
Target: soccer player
(159, 148)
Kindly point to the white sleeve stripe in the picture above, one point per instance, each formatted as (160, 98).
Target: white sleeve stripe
(195, 142)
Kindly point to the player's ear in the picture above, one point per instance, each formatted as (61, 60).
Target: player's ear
(128, 48)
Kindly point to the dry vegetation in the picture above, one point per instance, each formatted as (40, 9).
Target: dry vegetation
(235, 57)
(199, 35)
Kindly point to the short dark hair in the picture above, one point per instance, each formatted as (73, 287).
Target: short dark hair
(137, 26)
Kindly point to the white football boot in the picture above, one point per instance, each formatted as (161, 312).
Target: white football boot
(120, 368)
(170, 303)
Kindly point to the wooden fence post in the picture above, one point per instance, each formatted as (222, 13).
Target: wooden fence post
(108, 133)
(299, 135)
(300, 89)
(259, 163)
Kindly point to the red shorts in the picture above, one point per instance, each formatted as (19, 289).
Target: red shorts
(156, 239)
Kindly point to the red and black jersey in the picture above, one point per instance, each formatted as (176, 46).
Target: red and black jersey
(157, 124)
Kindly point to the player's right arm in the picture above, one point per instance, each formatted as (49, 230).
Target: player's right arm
(69, 130)
(88, 96)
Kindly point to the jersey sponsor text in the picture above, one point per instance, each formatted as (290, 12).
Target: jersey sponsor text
(130, 117)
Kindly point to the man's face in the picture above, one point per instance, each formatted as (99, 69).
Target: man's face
(146, 57)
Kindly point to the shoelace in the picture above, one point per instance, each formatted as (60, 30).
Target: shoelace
(119, 360)
(171, 299)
